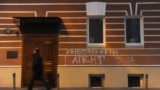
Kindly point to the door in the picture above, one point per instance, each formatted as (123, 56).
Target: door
(48, 51)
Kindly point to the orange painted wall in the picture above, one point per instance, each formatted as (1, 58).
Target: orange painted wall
(73, 15)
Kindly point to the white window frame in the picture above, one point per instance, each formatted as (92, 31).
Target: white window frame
(135, 45)
(103, 44)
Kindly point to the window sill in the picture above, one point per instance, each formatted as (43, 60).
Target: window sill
(135, 87)
(96, 46)
(134, 46)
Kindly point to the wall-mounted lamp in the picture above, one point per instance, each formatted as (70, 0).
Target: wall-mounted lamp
(96, 8)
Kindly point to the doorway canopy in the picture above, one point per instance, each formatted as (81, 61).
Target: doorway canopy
(38, 25)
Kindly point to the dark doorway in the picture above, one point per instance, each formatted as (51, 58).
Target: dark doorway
(48, 51)
(42, 33)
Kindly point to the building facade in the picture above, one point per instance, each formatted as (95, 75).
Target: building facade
(117, 48)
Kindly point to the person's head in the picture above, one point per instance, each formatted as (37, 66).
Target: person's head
(36, 50)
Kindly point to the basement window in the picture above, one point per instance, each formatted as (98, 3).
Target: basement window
(135, 80)
(96, 80)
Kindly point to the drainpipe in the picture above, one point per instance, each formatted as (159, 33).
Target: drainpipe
(57, 77)
(14, 81)
(146, 81)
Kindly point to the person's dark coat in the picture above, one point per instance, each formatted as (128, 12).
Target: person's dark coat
(37, 67)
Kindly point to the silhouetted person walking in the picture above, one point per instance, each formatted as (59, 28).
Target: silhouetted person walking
(37, 69)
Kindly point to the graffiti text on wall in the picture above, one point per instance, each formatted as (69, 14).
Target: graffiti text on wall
(98, 56)
(88, 59)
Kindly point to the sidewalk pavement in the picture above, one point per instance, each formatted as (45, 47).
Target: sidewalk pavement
(42, 88)
(9, 88)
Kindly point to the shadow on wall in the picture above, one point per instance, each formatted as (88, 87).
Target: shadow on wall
(63, 29)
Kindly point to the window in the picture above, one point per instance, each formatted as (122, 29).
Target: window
(96, 80)
(95, 33)
(134, 32)
(135, 80)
